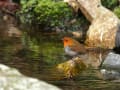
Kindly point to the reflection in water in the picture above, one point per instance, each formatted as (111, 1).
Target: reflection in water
(37, 57)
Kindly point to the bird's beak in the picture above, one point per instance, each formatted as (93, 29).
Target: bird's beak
(62, 39)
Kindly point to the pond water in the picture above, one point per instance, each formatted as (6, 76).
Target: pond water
(37, 56)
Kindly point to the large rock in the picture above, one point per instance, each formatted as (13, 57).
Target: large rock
(102, 31)
(11, 79)
(104, 23)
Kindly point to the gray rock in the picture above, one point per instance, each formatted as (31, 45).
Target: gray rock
(112, 61)
(12, 79)
(110, 74)
(110, 68)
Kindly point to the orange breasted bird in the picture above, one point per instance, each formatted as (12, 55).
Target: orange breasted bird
(73, 47)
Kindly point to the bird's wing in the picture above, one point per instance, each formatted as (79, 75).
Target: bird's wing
(78, 48)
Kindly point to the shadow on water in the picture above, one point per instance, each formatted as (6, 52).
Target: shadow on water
(37, 56)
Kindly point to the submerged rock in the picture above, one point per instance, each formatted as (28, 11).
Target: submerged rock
(11, 79)
(110, 74)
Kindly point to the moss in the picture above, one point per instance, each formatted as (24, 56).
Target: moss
(72, 67)
(117, 11)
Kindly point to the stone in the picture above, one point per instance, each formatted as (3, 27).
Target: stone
(112, 61)
(72, 67)
(104, 23)
(12, 79)
(110, 74)
(110, 68)
(102, 31)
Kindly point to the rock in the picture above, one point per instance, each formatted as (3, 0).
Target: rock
(104, 23)
(110, 74)
(72, 67)
(11, 79)
(88, 7)
(112, 61)
(102, 31)
(110, 68)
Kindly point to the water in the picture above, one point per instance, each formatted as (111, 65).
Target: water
(37, 56)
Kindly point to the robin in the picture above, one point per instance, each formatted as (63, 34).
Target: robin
(73, 47)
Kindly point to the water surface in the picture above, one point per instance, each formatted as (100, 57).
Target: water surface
(37, 56)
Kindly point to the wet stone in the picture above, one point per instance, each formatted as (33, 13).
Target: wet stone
(11, 79)
(111, 67)
(112, 61)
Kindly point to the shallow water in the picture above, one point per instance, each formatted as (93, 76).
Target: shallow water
(37, 56)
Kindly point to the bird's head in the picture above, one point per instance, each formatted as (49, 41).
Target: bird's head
(67, 41)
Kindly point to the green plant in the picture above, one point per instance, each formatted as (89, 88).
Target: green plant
(117, 11)
(45, 12)
(111, 4)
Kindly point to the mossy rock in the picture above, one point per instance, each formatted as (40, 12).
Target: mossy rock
(72, 67)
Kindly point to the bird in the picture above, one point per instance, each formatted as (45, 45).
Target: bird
(72, 47)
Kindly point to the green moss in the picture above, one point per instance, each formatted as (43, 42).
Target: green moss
(117, 11)
(110, 4)
(45, 12)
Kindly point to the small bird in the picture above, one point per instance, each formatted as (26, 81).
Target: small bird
(73, 47)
